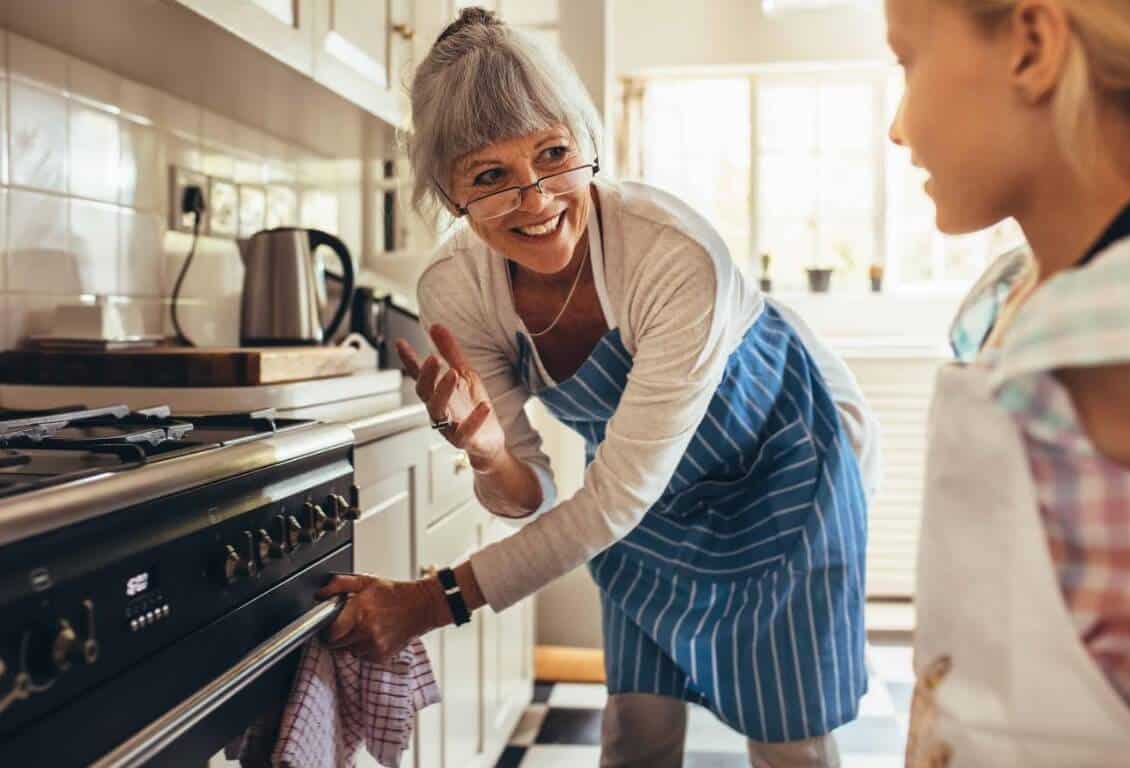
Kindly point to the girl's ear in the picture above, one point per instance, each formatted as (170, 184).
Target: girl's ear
(1041, 40)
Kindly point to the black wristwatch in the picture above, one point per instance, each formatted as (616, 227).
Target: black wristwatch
(454, 596)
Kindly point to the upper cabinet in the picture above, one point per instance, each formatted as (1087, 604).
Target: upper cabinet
(359, 49)
(283, 28)
(363, 51)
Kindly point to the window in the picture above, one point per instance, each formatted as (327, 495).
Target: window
(798, 165)
(816, 175)
(695, 140)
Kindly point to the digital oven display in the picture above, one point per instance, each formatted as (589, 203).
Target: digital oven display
(141, 583)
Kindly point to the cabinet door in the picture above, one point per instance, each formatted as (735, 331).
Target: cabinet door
(353, 54)
(455, 651)
(282, 28)
(382, 538)
(508, 641)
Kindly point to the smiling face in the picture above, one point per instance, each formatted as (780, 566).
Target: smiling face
(544, 232)
(961, 116)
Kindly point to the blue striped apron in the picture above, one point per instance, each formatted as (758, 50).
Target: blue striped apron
(742, 587)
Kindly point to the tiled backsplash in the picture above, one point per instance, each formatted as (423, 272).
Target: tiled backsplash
(84, 188)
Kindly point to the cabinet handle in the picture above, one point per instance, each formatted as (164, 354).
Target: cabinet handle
(462, 463)
(404, 30)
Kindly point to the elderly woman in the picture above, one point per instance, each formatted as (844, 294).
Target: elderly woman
(723, 512)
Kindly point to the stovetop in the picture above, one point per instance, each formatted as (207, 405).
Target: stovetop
(39, 449)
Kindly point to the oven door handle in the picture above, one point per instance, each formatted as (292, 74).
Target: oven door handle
(155, 737)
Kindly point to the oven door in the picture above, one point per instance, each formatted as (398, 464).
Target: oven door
(209, 686)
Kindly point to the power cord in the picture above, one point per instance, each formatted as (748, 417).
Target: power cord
(192, 201)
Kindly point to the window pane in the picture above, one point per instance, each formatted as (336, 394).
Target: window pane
(786, 118)
(847, 117)
(696, 144)
(791, 241)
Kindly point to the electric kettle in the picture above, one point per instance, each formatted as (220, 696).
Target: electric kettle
(284, 287)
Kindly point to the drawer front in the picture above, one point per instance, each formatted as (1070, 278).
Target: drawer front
(451, 538)
(450, 479)
(382, 538)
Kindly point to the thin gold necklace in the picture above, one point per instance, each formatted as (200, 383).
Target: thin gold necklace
(561, 313)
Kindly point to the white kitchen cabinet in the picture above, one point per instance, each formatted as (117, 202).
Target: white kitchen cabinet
(455, 651)
(418, 512)
(508, 644)
(283, 28)
(363, 50)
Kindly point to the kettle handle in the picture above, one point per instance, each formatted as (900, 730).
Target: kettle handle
(317, 237)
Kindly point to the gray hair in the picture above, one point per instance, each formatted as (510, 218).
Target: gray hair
(484, 82)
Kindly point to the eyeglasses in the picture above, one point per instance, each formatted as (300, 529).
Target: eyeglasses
(502, 202)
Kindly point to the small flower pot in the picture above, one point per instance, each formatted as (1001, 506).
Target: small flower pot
(819, 280)
(876, 283)
(766, 285)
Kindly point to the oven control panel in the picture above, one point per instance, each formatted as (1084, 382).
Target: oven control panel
(106, 594)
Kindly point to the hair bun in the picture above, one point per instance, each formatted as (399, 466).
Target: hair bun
(470, 17)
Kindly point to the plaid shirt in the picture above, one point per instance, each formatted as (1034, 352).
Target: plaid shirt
(1085, 504)
(1078, 318)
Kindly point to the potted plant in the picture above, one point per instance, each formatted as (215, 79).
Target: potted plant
(820, 274)
(876, 274)
(766, 279)
(819, 278)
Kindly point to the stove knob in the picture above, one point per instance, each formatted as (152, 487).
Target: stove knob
(250, 564)
(289, 532)
(315, 522)
(336, 521)
(229, 565)
(66, 647)
(268, 548)
(355, 502)
(346, 510)
(52, 651)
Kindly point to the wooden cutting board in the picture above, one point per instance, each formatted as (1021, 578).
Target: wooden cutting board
(177, 366)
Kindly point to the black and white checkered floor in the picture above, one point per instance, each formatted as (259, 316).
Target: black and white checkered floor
(561, 729)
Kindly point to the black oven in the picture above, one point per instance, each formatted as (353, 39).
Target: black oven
(152, 614)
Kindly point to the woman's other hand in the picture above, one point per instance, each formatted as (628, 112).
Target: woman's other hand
(381, 617)
(458, 395)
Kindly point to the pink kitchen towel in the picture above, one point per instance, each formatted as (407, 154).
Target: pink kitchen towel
(340, 703)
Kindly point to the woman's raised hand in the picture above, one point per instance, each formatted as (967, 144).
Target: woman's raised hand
(458, 395)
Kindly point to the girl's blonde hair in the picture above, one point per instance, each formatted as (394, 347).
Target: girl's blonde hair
(1097, 70)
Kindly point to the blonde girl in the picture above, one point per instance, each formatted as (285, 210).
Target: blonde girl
(1021, 108)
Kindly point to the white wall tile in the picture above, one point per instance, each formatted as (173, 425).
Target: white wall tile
(87, 154)
(141, 176)
(28, 60)
(93, 84)
(94, 146)
(141, 264)
(38, 138)
(183, 153)
(181, 118)
(93, 241)
(37, 257)
(217, 131)
(140, 102)
(29, 314)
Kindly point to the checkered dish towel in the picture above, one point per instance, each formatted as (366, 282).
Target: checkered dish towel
(339, 703)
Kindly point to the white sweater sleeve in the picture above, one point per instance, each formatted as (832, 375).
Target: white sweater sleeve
(678, 363)
(443, 298)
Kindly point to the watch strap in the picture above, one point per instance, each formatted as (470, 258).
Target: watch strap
(454, 596)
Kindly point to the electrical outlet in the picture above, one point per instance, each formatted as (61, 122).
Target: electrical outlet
(179, 178)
